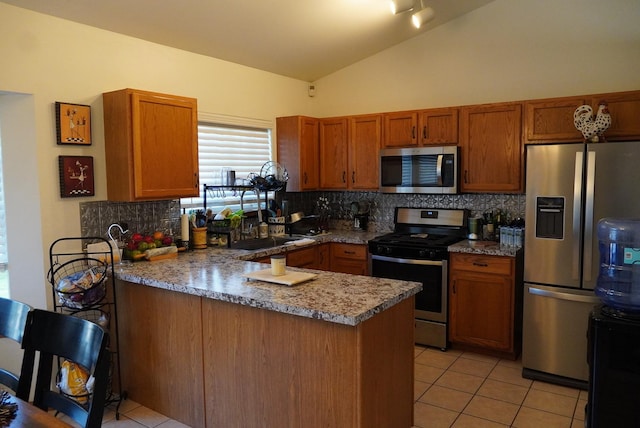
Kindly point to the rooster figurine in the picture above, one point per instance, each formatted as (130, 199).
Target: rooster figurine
(592, 129)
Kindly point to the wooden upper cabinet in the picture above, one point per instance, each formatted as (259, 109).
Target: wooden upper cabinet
(491, 150)
(334, 152)
(420, 127)
(297, 148)
(624, 108)
(151, 145)
(552, 120)
(400, 129)
(365, 135)
(438, 126)
(349, 152)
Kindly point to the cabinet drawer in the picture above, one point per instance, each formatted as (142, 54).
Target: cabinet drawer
(349, 251)
(498, 265)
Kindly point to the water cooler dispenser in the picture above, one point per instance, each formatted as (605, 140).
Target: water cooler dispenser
(614, 329)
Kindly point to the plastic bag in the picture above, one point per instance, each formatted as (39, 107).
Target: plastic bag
(75, 381)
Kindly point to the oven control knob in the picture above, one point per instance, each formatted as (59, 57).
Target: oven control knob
(384, 250)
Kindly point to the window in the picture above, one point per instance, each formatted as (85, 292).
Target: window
(242, 145)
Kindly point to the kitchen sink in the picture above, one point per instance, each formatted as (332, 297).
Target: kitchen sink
(259, 243)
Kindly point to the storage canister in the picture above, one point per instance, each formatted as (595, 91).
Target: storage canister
(618, 282)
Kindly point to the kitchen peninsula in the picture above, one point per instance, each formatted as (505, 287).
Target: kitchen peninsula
(201, 344)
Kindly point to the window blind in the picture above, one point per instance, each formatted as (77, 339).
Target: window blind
(242, 149)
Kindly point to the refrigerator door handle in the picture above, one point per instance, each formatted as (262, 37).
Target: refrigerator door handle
(577, 206)
(563, 296)
(588, 215)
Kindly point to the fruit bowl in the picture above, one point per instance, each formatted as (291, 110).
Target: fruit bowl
(139, 243)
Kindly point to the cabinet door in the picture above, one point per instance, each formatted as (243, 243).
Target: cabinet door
(305, 258)
(624, 108)
(165, 147)
(333, 153)
(400, 129)
(480, 310)
(297, 148)
(364, 152)
(491, 148)
(438, 126)
(324, 257)
(552, 120)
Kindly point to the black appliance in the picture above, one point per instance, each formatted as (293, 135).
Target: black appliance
(614, 369)
(417, 251)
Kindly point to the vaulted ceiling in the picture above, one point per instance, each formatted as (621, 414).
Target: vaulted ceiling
(302, 39)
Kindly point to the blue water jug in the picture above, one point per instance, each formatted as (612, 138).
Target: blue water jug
(618, 282)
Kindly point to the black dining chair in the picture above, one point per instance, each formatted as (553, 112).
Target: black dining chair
(54, 334)
(13, 317)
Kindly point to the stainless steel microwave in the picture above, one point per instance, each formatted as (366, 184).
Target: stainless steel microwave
(419, 170)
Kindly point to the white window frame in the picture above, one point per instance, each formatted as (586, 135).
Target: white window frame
(216, 200)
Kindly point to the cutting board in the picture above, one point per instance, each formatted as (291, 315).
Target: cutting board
(289, 278)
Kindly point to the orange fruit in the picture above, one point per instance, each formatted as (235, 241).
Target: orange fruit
(157, 235)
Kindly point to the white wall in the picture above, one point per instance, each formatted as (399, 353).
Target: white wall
(507, 50)
(50, 60)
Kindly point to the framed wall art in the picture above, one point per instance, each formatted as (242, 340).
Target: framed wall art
(76, 176)
(73, 123)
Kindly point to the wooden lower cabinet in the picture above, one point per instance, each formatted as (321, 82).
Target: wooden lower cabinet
(208, 363)
(485, 303)
(349, 258)
(160, 334)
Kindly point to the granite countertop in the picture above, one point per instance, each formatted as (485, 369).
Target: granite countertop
(216, 273)
(490, 248)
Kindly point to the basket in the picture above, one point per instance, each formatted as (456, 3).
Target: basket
(79, 283)
(96, 316)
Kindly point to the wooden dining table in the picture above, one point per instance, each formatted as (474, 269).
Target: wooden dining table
(28, 415)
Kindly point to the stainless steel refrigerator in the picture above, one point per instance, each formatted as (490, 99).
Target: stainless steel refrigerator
(569, 188)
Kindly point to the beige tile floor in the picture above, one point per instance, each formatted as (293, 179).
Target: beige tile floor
(451, 389)
(461, 389)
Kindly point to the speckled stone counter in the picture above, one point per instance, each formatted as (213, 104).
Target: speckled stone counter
(216, 273)
(197, 339)
(489, 248)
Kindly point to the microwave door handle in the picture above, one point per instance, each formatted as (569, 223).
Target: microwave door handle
(439, 169)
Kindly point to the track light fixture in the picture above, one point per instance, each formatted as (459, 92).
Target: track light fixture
(422, 17)
(399, 6)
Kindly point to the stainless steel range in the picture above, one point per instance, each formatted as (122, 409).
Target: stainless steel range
(417, 251)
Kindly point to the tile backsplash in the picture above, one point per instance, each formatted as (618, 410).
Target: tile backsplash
(96, 217)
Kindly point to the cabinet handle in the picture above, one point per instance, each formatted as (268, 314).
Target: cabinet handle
(424, 132)
(413, 133)
(454, 287)
(353, 177)
(349, 252)
(465, 176)
(195, 177)
(305, 177)
(344, 176)
(480, 264)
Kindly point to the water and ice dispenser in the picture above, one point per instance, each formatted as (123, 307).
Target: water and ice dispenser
(550, 217)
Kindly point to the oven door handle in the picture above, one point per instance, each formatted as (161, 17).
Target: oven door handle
(407, 261)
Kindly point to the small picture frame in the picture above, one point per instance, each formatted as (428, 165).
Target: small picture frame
(76, 176)
(73, 124)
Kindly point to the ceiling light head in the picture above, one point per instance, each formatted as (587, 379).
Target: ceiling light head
(423, 16)
(399, 6)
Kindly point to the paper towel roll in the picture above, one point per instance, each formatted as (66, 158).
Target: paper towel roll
(184, 227)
